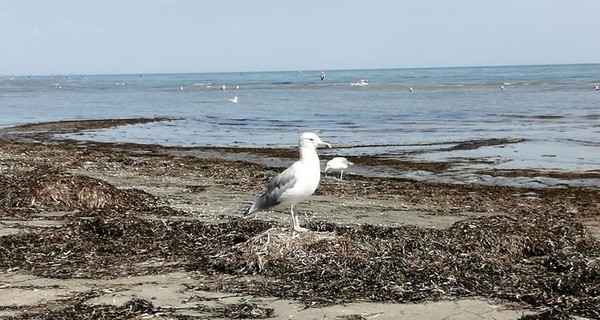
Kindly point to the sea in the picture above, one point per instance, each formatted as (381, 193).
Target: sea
(552, 110)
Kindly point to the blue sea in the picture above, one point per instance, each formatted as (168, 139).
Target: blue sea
(555, 108)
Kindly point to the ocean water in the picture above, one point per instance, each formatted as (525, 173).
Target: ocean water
(555, 108)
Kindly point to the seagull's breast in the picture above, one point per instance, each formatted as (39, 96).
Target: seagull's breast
(308, 175)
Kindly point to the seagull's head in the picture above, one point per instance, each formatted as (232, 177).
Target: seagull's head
(311, 140)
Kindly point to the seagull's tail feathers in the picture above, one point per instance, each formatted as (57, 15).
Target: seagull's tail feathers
(250, 211)
(265, 201)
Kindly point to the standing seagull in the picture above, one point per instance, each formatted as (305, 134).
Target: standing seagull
(338, 164)
(296, 183)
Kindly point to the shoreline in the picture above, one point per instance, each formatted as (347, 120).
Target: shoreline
(455, 170)
(78, 219)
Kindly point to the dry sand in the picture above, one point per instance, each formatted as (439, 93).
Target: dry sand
(91, 230)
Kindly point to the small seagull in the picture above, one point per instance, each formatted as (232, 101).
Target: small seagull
(338, 164)
(181, 88)
(410, 89)
(502, 87)
(234, 100)
(296, 183)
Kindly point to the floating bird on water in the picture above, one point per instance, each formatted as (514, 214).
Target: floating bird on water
(234, 100)
(338, 164)
(296, 183)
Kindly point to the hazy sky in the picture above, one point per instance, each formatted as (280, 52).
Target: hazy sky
(156, 36)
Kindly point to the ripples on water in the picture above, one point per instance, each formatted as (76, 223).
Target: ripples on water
(554, 107)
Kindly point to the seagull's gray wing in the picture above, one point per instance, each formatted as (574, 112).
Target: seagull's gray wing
(272, 196)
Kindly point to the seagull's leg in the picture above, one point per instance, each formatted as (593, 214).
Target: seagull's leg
(341, 174)
(295, 222)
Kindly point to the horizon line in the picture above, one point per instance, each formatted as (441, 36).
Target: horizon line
(297, 70)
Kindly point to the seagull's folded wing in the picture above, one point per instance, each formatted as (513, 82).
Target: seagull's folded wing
(276, 191)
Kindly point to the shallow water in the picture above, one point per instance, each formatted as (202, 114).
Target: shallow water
(555, 108)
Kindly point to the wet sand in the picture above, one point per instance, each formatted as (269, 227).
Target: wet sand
(127, 231)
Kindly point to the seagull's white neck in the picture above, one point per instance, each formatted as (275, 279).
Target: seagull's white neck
(308, 154)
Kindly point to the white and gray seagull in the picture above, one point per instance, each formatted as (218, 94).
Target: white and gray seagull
(338, 164)
(296, 183)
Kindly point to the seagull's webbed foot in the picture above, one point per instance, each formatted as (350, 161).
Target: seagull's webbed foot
(295, 222)
(300, 229)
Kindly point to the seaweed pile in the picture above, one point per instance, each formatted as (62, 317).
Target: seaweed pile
(54, 189)
(540, 261)
(136, 308)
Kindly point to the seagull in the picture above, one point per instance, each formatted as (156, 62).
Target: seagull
(234, 100)
(338, 164)
(296, 183)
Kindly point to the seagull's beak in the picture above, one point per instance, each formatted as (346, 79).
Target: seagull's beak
(324, 144)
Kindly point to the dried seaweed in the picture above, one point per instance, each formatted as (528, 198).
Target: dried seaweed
(550, 314)
(73, 309)
(543, 262)
(239, 311)
(51, 188)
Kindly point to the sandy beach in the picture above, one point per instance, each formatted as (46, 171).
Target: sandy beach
(93, 230)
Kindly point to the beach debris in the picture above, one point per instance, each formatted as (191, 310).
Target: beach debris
(52, 188)
(539, 261)
(137, 308)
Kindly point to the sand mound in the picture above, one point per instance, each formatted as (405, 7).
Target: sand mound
(50, 188)
(254, 255)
